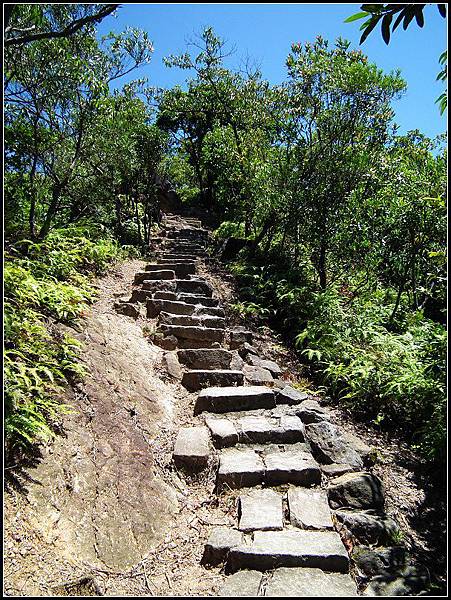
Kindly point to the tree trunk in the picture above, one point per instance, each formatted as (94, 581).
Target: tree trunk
(52, 210)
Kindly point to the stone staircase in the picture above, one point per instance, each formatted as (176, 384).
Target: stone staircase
(272, 443)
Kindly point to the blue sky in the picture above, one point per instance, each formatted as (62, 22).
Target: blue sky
(265, 32)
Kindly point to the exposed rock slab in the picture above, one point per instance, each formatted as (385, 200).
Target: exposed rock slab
(308, 582)
(368, 526)
(260, 509)
(310, 411)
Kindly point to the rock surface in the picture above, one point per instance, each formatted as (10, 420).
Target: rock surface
(308, 582)
(356, 490)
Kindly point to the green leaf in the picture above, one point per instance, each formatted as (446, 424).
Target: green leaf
(355, 17)
(369, 29)
(419, 15)
(386, 28)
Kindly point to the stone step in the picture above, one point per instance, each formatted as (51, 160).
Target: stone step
(212, 311)
(270, 465)
(241, 584)
(155, 306)
(227, 399)
(199, 334)
(198, 299)
(167, 257)
(260, 510)
(196, 379)
(174, 259)
(303, 582)
(191, 448)
(205, 358)
(194, 286)
(181, 270)
(160, 275)
(192, 320)
(181, 286)
(255, 429)
(269, 365)
(164, 296)
(309, 509)
(270, 549)
(187, 234)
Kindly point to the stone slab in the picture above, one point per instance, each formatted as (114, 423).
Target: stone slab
(257, 375)
(161, 274)
(199, 299)
(223, 431)
(292, 466)
(289, 395)
(197, 379)
(174, 307)
(308, 582)
(240, 468)
(241, 584)
(291, 548)
(260, 509)
(309, 509)
(205, 358)
(165, 296)
(226, 399)
(180, 269)
(208, 334)
(220, 541)
(191, 448)
(191, 320)
(269, 365)
(257, 429)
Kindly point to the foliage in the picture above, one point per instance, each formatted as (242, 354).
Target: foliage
(406, 13)
(45, 283)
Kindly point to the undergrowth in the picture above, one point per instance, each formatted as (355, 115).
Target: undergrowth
(46, 283)
(390, 373)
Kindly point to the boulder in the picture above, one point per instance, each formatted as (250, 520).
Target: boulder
(328, 445)
(289, 395)
(367, 526)
(356, 490)
(380, 561)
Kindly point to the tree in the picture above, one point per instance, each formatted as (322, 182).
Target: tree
(29, 18)
(53, 91)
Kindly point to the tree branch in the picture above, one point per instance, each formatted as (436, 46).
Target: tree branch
(67, 31)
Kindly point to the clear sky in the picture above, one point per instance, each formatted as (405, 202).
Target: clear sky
(265, 32)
